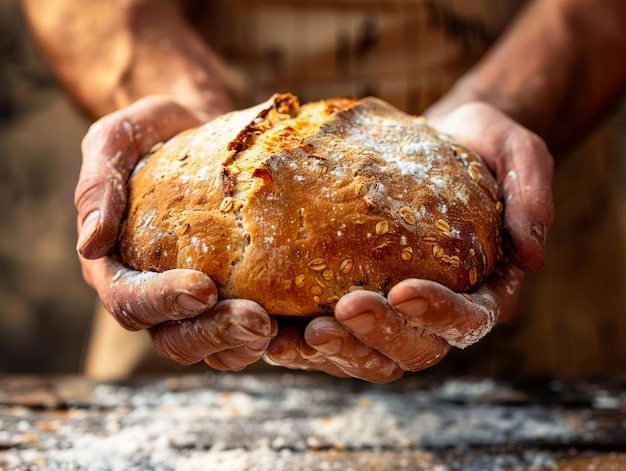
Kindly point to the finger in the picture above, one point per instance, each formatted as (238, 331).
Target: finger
(238, 358)
(529, 209)
(143, 299)
(111, 149)
(523, 166)
(229, 325)
(285, 348)
(349, 354)
(371, 319)
(461, 319)
(288, 349)
(501, 290)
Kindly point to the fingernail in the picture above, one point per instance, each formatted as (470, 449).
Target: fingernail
(329, 348)
(190, 303)
(361, 323)
(413, 307)
(240, 332)
(284, 358)
(538, 231)
(315, 356)
(88, 229)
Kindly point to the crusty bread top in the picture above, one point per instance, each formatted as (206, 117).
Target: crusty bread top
(294, 206)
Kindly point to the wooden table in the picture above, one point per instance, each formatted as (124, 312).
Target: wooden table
(292, 421)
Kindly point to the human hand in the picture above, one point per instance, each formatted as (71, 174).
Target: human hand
(523, 167)
(179, 307)
(377, 339)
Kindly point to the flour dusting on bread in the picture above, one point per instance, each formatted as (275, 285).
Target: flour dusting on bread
(294, 205)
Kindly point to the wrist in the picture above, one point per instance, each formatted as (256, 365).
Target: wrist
(205, 103)
(468, 89)
(472, 87)
(553, 71)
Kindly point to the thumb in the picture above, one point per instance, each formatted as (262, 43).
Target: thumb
(523, 167)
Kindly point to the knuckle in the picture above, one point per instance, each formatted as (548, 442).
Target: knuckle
(88, 191)
(417, 360)
(126, 318)
(91, 135)
(169, 346)
(97, 132)
(107, 140)
(531, 144)
(116, 300)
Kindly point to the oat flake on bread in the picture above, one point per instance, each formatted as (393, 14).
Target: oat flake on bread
(293, 206)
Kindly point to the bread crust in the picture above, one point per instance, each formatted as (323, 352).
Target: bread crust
(295, 206)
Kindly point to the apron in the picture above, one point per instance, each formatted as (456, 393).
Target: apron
(571, 316)
(407, 52)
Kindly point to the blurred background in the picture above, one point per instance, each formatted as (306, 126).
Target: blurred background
(46, 308)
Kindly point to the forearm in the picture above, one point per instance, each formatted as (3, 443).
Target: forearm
(108, 54)
(557, 69)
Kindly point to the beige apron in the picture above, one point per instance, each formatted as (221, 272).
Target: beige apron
(408, 52)
(571, 317)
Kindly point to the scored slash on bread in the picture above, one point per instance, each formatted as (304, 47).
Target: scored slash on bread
(294, 206)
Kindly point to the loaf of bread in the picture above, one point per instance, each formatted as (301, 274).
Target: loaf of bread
(293, 206)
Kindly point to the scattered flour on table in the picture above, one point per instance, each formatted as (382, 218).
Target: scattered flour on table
(249, 423)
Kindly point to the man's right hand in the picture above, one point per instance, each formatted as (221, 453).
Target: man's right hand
(179, 307)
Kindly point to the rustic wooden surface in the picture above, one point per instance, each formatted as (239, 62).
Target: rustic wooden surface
(310, 422)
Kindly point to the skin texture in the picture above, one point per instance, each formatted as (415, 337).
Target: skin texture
(519, 102)
(420, 320)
